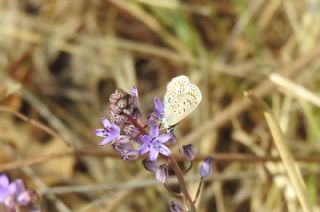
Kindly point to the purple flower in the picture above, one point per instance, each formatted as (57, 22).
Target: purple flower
(18, 194)
(24, 198)
(162, 173)
(154, 143)
(109, 132)
(206, 167)
(4, 187)
(14, 193)
(121, 144)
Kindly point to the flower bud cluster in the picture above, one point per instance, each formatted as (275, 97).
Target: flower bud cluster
(122, 106)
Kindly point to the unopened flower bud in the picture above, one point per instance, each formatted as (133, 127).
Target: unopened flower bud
(175, 206)
(162, 173)
(117, 95)
(129, 154)
(189, 152)
(206, 167)
(122, 103)
(149, 165)
(131, 131)
(24, 197)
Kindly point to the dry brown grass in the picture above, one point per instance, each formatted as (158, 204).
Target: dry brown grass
(61, 59)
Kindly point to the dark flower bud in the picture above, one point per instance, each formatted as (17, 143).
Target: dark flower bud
(123, 105)
(149, 165)
(118, 119)
(175, 206)
(189, 152)
(128, 111)
(162, 173)
(206, 167)
(114, 109)
(117, 95)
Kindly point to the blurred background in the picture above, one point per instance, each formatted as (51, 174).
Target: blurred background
(61, 59)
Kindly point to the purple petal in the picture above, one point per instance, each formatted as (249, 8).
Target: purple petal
(154, 131)
(145, 138)
(122, 139)
(134, 91)
(4, 192)
(171, 141)
(121, 147)
(153, 154)
(165, 150)
(158, 107)
(100, 132)
(4, 180)
(143, 149)
(106, 140)
(114, 131)
(10, 202)
(149, 165)
(24, 198)
(164, 137)
(106, 123)
(162, 174)
(16, 187)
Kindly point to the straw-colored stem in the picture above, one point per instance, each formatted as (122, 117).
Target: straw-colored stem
(286, 157)
(182, 183)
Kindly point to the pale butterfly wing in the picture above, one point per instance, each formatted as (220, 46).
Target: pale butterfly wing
(180, 100)
(176, 85)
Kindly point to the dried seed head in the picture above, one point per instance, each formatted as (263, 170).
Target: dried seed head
(122, 106)
(118, 94)
(123, 103)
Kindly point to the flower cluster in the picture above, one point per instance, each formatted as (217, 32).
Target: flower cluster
(14, 194)
(128, 136)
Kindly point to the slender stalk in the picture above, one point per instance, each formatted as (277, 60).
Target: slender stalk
(182, 182)
(177, 194)
(135, 123)
(198, 190)
(189, 168)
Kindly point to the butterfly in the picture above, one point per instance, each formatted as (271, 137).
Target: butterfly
(180, 100)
